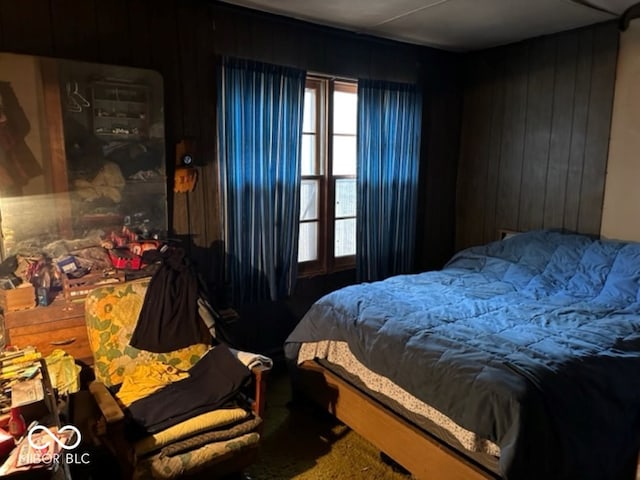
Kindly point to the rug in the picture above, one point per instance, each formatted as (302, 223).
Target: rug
(303, 443)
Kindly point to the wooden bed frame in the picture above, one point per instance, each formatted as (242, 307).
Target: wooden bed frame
(419, 451)
(425, 456)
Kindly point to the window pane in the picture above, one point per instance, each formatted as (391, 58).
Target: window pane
(345, 197)
(344, 155)
(308, 154)
(308, 243)
(309, 199)
(345, 116)
(345, 237)
(309, 118)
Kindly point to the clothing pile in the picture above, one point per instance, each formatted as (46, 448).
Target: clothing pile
(159, 396)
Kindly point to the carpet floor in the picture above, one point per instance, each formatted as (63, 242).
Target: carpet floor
(304, 443)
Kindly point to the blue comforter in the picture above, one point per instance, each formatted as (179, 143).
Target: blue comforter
(531, 342)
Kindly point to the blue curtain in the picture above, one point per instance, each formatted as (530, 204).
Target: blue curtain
(389, 125)
(260, 111)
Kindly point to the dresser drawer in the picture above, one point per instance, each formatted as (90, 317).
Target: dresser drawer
(60, 325)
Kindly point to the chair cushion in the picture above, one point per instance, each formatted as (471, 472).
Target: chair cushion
(111, 313)
(201, 423)
(213, 454)
(236, 430)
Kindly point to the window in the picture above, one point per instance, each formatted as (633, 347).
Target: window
(328, 189)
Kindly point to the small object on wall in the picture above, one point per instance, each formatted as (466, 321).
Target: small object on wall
(186, 174)
(185, 179)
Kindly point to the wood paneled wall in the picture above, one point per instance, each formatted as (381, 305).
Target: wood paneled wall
(182, 38)
(535, 135)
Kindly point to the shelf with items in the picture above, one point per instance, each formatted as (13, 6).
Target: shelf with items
(120, 110)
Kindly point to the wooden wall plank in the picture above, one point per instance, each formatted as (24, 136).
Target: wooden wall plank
(280, 42)
(2, 46)
(496, 61)
(598, 125)
(581, 97)
(471, 111)
(207, 143)
(442, 234)
(561, 126)
(442, 110)
(188, 49)
(163, 29)
(193, 45)
(75, 34)
(223, 24)
(140, 40)
(537, 133)
(114, 40)
(351, 55)
(474, 152)
(206, 68)
(262, 41)
(318, 45)
(512, 150)
(26, 26)
(245, 40)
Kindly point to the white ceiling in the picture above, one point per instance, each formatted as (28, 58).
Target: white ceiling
(457, 25)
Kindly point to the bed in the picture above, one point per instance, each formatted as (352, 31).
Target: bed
(519, 360)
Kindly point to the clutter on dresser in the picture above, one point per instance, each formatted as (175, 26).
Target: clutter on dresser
(66, 270)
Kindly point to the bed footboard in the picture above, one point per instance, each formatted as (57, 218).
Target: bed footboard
(426, 457)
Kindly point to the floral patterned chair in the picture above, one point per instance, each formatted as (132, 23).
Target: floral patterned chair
(205, 445)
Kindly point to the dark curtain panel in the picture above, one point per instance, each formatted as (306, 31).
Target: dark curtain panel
(260, 110)
(389, 125)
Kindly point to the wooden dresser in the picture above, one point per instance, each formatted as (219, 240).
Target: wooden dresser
(58, 325)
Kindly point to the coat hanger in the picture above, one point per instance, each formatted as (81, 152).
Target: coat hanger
(72, 103)
(80, 99)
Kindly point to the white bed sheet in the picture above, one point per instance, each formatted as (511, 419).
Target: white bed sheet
(339, 353)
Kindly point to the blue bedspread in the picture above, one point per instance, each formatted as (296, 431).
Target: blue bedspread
(531, 342)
